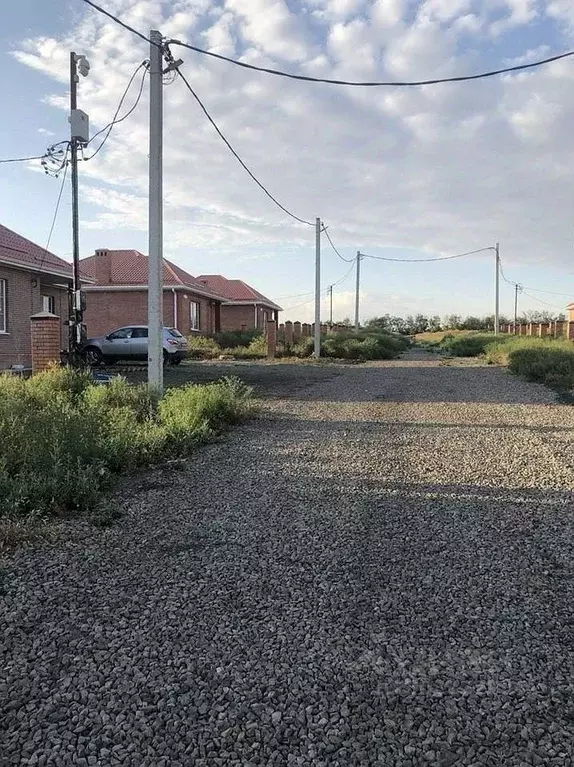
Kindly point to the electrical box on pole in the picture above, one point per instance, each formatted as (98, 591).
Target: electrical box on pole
(79, 126)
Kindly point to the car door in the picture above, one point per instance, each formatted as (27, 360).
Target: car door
(117, 344)
(139, 343)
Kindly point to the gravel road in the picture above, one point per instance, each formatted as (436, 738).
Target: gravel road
(377, 571)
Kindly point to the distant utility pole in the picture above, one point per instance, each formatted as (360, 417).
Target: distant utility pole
(497, 290)
(79, 136)
(317, 344)
(331, 305)
(155, 259)
(517, 290)
(357, 289)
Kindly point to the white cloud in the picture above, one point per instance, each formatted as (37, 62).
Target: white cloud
(446, 168)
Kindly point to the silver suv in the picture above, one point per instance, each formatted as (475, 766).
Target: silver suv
(130, 343)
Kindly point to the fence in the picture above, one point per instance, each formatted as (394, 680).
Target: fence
(554, 329)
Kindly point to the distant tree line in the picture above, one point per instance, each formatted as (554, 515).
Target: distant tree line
(420, 323)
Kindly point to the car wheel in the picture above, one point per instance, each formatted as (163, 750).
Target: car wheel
(176, 361)
(93, 356)
(165, 357)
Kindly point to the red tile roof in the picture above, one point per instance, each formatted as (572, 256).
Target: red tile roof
(130, 267)
(17, 250)
(235, 290)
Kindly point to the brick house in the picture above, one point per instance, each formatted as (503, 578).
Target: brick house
(31, 280)
(244, 307)
(119, 295)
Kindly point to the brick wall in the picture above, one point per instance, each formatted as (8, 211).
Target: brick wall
(239, 317)
(45, 340)
(107, 310)
(24, 298)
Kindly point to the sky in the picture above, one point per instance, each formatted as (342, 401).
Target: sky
(407, 173)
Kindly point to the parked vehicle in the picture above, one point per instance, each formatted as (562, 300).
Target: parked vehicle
(130, 343)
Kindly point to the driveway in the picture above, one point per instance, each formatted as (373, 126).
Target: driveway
(377, 571)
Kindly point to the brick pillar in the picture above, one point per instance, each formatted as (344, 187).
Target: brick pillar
(529, 329)
(306, 329)
(296, 332)
(570, 330)
(46, 340)
(289, 334)
(324, 330)
(271, 339)
(281, 333)
(559, 328)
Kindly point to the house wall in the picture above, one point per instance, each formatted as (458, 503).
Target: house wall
(235, 317)
(24, 298)
(107, 310)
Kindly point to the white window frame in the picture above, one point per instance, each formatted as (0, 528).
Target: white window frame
(194, 315)
(51, 301)
(3, 305)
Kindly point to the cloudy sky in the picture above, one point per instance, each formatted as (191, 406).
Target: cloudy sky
(403, 173)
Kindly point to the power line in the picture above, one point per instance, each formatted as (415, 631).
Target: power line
(348, 260)
(426, 260)
(22, 159)
(372, 84)
(540, 301)
(115, 120)
(55, 216)
(327, 81)
(118, 21)
(535, 290)
(342, 279)
(237, 157)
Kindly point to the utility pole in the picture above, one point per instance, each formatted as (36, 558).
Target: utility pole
(155, 259)
(317, 344)
(517, 290)
(330, 305)
(357, 289)
(497, 290)
(79, 136)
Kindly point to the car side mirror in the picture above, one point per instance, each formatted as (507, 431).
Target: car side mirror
(108, 338)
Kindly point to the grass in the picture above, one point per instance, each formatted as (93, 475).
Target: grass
(466, 345)
(242, 346)
(546, 361)
(63, 439)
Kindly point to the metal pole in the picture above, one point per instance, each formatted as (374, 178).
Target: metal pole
(497, 291)
(515, 306)
(77, 314)
(317, 344)
(357, 288)
(155, 261)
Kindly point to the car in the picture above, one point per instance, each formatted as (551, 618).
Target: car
(130, 343)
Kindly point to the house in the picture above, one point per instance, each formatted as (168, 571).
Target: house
(119, 295)
(570, 312)
(244, 307)
(31, 280)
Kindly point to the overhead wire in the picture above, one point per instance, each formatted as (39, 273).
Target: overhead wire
(324, 230)
(22, 159)
(330, 81)
(540, 301)
(115, 120)
(236, 155)
(55, 216)
(426, 260)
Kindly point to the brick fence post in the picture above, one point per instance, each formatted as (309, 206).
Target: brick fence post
(559, 329)
(271, 339)
(46, 340)
(288, 334)
(296, 332)
(570, 330)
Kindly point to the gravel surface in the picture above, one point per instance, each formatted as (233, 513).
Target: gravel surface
(378, 571)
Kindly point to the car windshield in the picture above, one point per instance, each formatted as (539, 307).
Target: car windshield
(174, 332)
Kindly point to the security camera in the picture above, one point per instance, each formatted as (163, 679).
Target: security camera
(83, 65)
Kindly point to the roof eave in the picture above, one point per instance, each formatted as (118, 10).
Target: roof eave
(53, 272)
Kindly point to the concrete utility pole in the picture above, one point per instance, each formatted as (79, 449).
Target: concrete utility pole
(331, 305)
(517, 290)
(497, 291)
(317, 344)
(79, 136)
(155, 259)
(357, 289)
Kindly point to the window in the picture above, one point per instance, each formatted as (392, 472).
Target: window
(121, 333)
(174, 332)
(139, 333)
(49, 304)
(3, 307)
(193, 315)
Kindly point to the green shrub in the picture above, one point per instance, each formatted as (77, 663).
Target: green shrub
(303, 348)
(471, 345)
(203, 347)
(231, 339)
(62, 437)
(552, 364)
